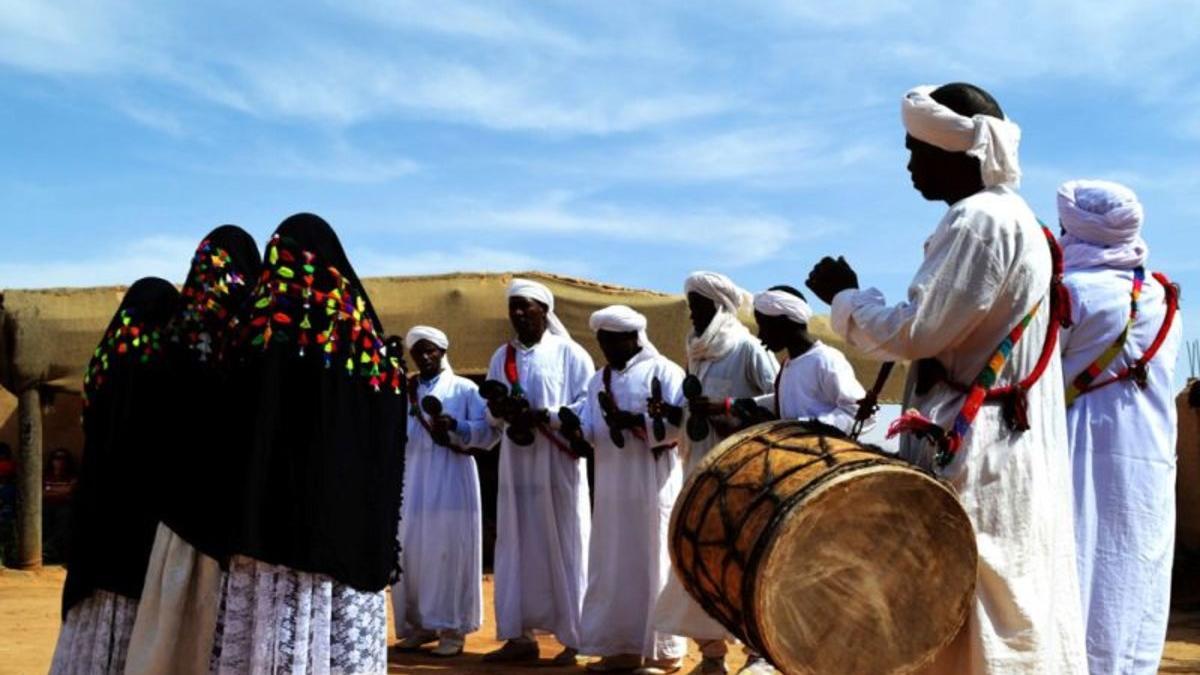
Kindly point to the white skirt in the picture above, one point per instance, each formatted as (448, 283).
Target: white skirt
(274, 619)
(94, 638)
(177, 614)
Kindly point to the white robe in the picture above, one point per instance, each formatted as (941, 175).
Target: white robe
(542, 512)
(747, 371)
(628, 563)
(441, 535)
(1123, 454)
(820, 384)
(985, 266)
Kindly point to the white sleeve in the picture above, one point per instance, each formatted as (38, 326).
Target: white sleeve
(763, 367)
(951, 294)
(476, 431)
(841, 389)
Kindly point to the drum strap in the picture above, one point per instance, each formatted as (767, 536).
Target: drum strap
(1086, 381)
(778, 379)
(1012, 397)
(514, 387)
(869, 404)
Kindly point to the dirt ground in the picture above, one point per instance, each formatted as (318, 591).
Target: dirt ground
(29, 621)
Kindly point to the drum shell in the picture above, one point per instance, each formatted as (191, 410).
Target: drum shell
(746, 514)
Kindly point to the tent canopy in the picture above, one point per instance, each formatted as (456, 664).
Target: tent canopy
(47, 336)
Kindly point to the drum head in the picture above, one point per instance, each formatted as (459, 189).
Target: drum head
(872, 572)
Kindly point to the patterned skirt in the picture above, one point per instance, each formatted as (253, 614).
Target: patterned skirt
(94, 638)
(274, 619)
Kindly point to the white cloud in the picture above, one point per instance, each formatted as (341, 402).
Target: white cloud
(160, 256)
(769, 155)
(338, 163)
(744, 238)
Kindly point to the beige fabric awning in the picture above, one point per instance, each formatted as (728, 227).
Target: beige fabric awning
(49, 335)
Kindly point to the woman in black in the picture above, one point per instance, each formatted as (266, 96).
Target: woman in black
(177, 614)
(319, 461)
(116, 510)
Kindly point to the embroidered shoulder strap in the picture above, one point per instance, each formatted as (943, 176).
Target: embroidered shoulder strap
(1136, 371)
(510, 371)
(1012, 397)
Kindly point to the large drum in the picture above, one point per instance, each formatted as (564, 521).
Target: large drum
(824, 556)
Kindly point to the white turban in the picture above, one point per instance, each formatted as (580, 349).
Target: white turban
(991, 140)
(526, 288)
(725, 331)
(622, 319)
(1103, 221)
(432, 335)
(718, 288)
(782, 303)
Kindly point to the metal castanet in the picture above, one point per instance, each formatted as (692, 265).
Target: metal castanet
(433, 408)
(697, 424)
(572, 428)
(611, 414)
(658, 421)
(508, 406)
(822, 554)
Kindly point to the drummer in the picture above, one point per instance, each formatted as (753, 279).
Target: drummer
(982, 311)
(817, 381)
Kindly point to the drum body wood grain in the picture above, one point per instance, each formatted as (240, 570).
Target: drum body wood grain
(823, 555)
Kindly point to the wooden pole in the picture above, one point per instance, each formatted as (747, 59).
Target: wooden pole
(29, 481)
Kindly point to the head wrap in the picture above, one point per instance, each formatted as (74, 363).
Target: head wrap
(725, 330)
(222, 275)
(220, 278)
(991, 140)
(127, 422)
(1103, 221)
(623, 319)
(321, 398)
(432, 335)
(782, 303)
(718, 288)
(526, 288)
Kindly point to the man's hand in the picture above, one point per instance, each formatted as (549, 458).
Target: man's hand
(706, 407)
(443, 424)
(628, 420)
(830, 277)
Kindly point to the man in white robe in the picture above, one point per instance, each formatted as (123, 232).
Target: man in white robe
(440, 594)
(986, 267)
(817, 382)
(637, 480)
(730, 363)
(1122, 435)
(542, 512)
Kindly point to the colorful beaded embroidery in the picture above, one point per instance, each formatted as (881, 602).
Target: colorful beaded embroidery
(125, 338)
(289, 307)
(205, 312)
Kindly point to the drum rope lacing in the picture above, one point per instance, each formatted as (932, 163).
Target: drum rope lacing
(733, 620)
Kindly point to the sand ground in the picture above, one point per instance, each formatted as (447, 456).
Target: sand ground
(29, 620)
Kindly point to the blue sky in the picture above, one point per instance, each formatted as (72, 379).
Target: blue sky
(626, 142)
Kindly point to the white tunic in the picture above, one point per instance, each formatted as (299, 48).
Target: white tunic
(628, 563)
(1123, 454)
(542, 513)
(820, 384)
(441, 536)
(747, 371)
(985, 266)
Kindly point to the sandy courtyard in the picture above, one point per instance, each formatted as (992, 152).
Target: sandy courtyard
(29, 625)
